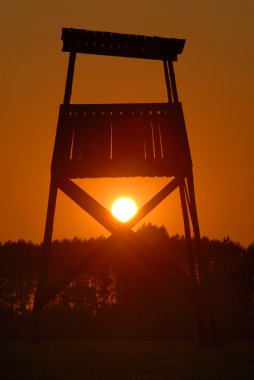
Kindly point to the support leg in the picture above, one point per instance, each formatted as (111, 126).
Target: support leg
(204, 280)
(201, 333)
(44, 257)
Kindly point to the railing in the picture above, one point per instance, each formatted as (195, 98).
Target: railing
(115, 140)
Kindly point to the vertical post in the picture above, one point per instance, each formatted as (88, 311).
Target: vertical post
(195, 224)
(170, 100)
(204, 280)
(44, 258)
(173, 81)
(50, 215)
(47, 236)
(201, 333)
(69, 78)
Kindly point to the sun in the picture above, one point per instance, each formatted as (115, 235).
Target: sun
(124, 209)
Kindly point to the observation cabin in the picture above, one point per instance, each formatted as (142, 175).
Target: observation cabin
(121, 140)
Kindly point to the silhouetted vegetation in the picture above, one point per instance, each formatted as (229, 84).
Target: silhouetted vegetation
(121, 296)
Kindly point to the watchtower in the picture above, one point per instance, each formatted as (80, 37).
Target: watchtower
(124, 140)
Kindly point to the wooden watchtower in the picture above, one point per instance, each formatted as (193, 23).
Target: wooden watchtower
(124, 140)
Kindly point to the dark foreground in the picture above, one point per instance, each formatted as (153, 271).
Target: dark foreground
(125, 360)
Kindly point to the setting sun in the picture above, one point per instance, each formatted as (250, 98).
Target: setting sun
(124, 209)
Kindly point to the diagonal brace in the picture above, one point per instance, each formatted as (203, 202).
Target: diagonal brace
(133, 241)
(102, 215)
(68, 277)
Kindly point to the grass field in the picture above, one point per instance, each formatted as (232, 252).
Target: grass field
(125, 360)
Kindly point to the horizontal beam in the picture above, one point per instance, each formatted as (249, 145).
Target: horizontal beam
(109, 110)
(121, 45)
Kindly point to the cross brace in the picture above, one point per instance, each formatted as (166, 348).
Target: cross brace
(121, 232)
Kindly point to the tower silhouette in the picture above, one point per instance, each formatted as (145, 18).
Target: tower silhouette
(125, 140)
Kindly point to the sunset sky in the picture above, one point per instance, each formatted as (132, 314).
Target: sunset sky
(215, 78)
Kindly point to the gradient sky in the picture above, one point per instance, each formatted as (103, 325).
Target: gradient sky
(215, 84)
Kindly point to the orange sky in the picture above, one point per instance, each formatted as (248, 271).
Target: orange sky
(215, 83)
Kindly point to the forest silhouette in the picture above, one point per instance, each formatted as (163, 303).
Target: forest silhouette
(121, 297)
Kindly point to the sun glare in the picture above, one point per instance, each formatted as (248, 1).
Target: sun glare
(124, 209)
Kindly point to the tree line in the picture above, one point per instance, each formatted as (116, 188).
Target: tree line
(121, 296)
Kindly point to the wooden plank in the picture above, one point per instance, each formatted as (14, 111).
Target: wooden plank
(76, 120)
(127, 135)
(92, 131)
(174, 139)
(157, 143)
(149, 146)
(63, 141)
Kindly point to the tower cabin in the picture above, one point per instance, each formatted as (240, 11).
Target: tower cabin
(121, 140)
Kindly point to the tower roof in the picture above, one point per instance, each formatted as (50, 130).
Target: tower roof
(121, 45)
